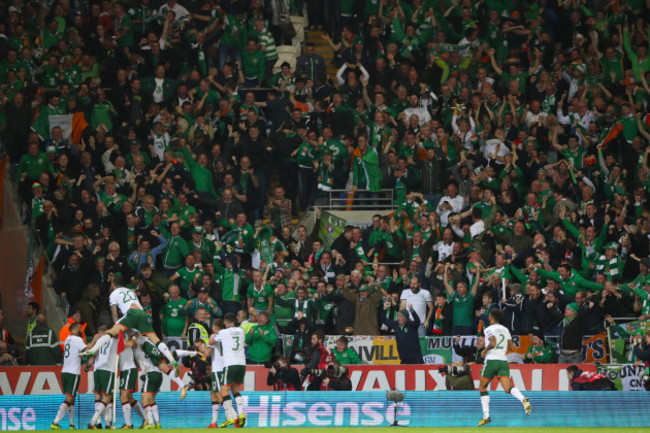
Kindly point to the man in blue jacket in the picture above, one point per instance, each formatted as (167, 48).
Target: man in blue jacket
(406, 334)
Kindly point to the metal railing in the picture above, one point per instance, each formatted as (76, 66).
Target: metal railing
(344, 199)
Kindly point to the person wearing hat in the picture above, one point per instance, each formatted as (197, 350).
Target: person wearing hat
(37, 201)
(571, 333)
(200, 243)
(365, 300)
(73, 317)
(539, 352)
(610, 262)
(406, 333)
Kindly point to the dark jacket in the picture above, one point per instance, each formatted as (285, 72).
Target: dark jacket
(42, 347)
(469, 353)
(408, 341)
(284, 380)
(301, 339)
(513, 316)
(571, 335)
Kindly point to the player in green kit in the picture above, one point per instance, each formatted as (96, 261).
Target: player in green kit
(496, 365)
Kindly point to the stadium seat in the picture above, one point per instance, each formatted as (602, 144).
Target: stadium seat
(286, 53)
(299, 25)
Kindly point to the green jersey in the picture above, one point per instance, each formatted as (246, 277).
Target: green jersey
(463, 309)
(175, 252)
(187, 276)
(260, 297)
(348, 357)
(173, 320)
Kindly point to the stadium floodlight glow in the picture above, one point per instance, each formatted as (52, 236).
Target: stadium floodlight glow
(396, 397)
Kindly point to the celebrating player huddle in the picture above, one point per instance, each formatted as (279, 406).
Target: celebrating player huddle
(138, 346)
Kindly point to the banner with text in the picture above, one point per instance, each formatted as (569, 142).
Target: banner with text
(526, 377)
(382, 350)
(330, 228)
(358, 409)
(625, 377)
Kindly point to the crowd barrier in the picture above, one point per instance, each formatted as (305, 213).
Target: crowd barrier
(382, 350)
(358, 409)
(527, 377)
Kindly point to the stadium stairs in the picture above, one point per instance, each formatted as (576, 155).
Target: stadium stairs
(14, 241)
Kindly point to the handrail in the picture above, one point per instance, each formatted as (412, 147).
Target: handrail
(337, 202)
(39, 249)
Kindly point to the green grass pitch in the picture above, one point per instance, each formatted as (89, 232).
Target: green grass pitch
(419, 430)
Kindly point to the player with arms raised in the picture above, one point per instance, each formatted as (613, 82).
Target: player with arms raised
(134, 317)
(234, 361)
(496, 364)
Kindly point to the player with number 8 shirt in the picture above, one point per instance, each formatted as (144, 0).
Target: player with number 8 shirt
(70, 374)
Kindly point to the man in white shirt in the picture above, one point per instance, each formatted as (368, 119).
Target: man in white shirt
(417, 109)
(449, 203)
(179, 11)
(420, 299)
(496, 364)
(495, 150)
(534, 113)
(445, 247)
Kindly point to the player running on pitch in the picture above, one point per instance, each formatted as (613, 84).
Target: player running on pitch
(134, 317)
(70, 374)
(234, 360)
(496, 364)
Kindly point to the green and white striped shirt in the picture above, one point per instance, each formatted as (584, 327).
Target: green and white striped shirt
(265, 39)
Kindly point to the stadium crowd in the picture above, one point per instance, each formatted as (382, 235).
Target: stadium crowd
(514, 135)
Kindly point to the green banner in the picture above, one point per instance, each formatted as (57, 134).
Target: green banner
(330, 228)
(619, 340)
(625, 377)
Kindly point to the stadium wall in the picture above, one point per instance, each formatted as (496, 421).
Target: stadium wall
(532, 377)
(359, 409)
